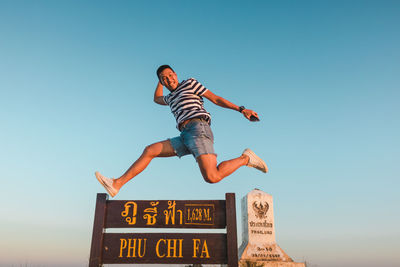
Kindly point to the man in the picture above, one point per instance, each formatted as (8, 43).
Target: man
(193, 121)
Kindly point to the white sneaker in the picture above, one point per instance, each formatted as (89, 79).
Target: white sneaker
(107, 183)
(255, 161)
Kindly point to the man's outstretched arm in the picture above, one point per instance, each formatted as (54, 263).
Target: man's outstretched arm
(158, 95)
(222, 102)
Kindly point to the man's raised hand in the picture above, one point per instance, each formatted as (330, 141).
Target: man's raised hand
(251, 115)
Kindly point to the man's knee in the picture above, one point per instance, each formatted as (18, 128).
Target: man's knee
(208, 168)
(211, 177)
(150, 150)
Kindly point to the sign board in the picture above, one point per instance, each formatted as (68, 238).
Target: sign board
(164, 248)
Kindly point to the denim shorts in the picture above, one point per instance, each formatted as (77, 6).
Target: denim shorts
(196, 138)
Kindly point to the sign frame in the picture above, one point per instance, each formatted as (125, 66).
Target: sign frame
(217, 214)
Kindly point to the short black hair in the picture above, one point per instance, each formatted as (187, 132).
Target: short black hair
(161, 68)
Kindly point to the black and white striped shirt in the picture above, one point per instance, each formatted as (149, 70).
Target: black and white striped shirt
(186, 101)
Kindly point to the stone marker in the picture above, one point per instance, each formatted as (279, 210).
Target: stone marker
(259, 248)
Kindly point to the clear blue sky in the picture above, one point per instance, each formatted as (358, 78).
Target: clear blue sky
(77, 80)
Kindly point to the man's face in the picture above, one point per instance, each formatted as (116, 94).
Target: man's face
(169, 79)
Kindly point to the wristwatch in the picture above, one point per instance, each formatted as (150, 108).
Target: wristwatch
(241, 108)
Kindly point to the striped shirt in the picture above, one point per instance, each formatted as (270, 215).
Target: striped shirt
(186, 101)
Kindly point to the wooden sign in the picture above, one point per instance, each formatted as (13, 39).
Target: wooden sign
(164, 248)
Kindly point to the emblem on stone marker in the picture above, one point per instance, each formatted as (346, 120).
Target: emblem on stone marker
(260, 209)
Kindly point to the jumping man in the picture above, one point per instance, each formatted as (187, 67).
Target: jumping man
(193, 121)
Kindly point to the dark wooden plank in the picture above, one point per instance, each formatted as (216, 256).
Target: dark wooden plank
(231, 230)
(166, 214)
(164, 248)
(97, 235)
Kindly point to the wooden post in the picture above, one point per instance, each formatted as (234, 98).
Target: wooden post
(231, 230)
(98, 226)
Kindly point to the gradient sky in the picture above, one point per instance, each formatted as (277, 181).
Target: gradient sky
(77, 80)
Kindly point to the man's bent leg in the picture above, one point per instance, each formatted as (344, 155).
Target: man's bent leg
(160, 149)
(213, 173)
